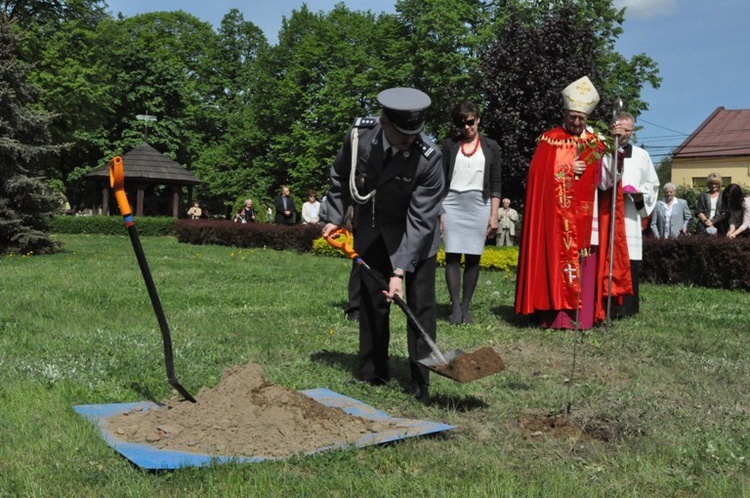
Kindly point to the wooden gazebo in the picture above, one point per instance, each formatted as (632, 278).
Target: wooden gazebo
(144, 167)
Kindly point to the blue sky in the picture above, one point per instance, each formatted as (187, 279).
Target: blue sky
(702, 48)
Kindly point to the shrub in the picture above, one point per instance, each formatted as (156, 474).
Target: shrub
(226, 233)
(112, 225)
(321, 247)
(702, 260)
(493, 258)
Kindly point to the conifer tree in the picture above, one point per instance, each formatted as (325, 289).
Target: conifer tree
(26, 202)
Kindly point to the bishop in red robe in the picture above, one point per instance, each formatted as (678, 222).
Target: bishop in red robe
(560, 278)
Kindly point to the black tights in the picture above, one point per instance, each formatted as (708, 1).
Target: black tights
(461, 312)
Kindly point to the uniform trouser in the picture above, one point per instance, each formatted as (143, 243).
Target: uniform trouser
(374, 316)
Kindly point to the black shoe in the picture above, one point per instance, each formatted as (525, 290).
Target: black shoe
(352, 316)
(421, 393)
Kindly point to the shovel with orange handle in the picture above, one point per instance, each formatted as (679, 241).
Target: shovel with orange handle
(456, 364)
(117, 182)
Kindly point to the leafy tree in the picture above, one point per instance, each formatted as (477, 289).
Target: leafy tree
(148, 64)
(52, 14)
(539, 48)
(61, 43)
(325, 71)
(227, 118)
(159, 61)
(246, 117)
(79, 91)
(25, 200)
(440, 41)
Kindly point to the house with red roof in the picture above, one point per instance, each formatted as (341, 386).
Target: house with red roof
(721, 144)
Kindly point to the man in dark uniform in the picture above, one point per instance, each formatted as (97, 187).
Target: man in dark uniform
(397, 182)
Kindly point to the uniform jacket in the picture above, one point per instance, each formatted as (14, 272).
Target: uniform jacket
(409, 191)
(492, 164)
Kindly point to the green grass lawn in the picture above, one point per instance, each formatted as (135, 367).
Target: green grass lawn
(660, 402)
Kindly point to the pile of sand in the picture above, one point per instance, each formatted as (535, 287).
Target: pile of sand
(244, 415)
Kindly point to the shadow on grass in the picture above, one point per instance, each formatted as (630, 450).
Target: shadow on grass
(507, 314)
(444, 311)
(145, 392)
(399, 367)
(461, 404)
(346, 362)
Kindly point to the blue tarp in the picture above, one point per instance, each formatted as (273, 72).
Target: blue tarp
(151, 458)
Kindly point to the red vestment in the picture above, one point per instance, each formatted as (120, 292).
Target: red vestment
(557, 226)
(557, 221)
(622, 285)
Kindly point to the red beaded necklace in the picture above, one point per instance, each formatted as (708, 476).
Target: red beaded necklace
(473, 151)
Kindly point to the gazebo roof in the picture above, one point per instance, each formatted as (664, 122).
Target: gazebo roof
(146, 164)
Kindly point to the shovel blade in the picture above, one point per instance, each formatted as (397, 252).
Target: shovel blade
(433, 361)
(466, 367)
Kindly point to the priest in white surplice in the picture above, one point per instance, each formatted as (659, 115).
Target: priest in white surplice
(640, 186)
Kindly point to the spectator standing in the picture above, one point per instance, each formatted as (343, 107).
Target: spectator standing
(708, 208)
(311, 209)
(195, 211)
(246, 214)
(285, 209)
(396, 179)
(671, 215)
(507, 218)
(472, 167)
(738, 209)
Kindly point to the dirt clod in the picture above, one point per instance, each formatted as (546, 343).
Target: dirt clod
(468, 367)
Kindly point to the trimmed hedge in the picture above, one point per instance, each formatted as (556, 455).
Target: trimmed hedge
(702, 260)
(493, 258)
(226, 233)
(274, 236)
(112, 225)
(715, 262)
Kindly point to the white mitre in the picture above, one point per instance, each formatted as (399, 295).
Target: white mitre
(580, 96)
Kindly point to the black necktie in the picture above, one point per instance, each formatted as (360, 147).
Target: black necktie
(387, 157)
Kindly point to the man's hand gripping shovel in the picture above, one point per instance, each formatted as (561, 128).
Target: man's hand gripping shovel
(117, 182)
(456, 364)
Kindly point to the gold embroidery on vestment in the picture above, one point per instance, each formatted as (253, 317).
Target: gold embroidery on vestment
(564, 187)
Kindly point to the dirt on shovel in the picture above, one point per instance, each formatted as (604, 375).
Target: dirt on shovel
(468, 367)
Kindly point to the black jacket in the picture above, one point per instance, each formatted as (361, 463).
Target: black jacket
(492, 164)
